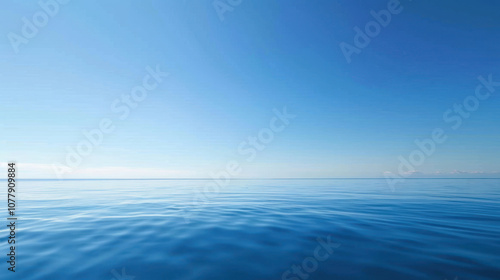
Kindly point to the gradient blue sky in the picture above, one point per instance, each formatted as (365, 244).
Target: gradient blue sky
(353, 120)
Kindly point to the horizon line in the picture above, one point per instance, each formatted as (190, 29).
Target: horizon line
(203, 179)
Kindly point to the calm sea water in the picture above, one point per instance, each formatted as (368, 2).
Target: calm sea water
(256, 230)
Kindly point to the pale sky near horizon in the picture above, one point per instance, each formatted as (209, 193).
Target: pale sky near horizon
(226, 79)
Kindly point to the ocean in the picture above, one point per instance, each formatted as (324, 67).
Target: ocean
(255, 229)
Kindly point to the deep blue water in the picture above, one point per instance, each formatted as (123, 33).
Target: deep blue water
(256, 229)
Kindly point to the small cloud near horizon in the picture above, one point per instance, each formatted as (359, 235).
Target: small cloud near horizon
(449, 174)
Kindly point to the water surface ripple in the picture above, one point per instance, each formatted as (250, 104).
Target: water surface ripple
(256, 230)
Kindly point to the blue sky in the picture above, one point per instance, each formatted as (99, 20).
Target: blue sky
(226, 77)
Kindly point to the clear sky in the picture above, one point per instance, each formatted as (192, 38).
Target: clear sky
(226, 77)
